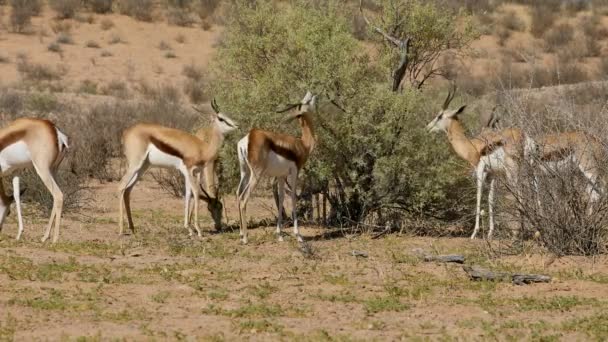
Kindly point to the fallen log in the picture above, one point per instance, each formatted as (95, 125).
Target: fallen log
(480, 273)
(428, 257)
(455, 258)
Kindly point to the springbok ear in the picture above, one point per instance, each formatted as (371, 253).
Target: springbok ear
(313, 102)
(458, 111)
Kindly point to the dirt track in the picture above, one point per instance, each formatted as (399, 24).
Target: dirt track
(161, 284)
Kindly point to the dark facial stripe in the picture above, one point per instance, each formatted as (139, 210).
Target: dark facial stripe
(166, 148)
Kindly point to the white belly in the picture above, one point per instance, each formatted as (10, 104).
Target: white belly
(159, 158)
(15, 156)
(278, 166)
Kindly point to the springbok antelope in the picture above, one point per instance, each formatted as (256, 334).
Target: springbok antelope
(33, 142)
(148, 145)
(277, 155)
(556, 151)
(490, 153)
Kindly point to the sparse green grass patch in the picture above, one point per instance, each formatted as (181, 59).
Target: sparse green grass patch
(257, 326)
(387, 303)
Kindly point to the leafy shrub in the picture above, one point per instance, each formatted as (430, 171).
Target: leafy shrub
(138, 9)
(65, 9)
(368, 155)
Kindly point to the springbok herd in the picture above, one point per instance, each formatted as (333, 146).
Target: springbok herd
(39, 143)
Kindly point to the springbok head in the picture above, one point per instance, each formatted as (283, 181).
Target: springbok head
(214, 205)
(307, 106)
(443, 119)
(220, 120)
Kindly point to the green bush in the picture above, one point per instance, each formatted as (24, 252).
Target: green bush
(373, 158)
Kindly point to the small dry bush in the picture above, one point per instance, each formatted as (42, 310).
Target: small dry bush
(99, 6)
(552, 202)
(55, 47)
(170, 55)
(65, 9)
(512, 22)
(60, 26)
(115, 39)
(38, 72)
(92, 44)
(138, 9)
(180, 17)
(193, 72)
(116, 88)
(195, 91)
(542, 20)
(206, 8)
(503, 35)
(4, 59)
(64, 38)
(106, 24)
(22, 12)
(163, 46)
(558, 36)
(165, 91)
(180, 38)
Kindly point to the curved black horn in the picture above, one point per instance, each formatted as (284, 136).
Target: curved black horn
(290, 106)
(450, 97)
(215, 107)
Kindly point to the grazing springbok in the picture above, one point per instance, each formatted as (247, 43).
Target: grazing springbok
(490, 153)
(33, 142)
(263, 153)
(148, 145)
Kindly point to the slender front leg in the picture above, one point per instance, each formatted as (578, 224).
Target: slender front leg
(187, 195)
(280, 197)
(294, 200)
(194, 179)
(17, 197)
(5, 204)
(481, 175)
(491, 207)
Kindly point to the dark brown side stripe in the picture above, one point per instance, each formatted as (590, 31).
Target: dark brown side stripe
(555, 155)
(166, 148)
(11, 138)
(488, 149)
(284, 152)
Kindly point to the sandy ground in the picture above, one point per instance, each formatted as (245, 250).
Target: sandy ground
(161, 284)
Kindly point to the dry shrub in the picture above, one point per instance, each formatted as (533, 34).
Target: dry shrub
(64, 38)
(171, 181)
(206, 8)
(65, 9)
(512, 22)
(92, 44)
(60, 26)
(193, 72)
(180, 17)
(194, 86)
(21, 14)
(4, 59)
(106, 24)
(38, 72)
(503, 35)
(138, 9)
(116, 88)
(541, 20)
(55, 47)
(550, 203)
(100, 6)
(558, 36)
(165, 91)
